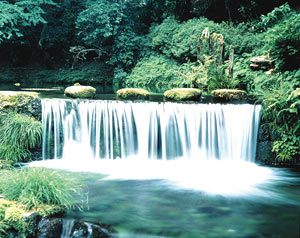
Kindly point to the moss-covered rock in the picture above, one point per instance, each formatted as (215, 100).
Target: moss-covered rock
(78, 91)
(133, 93)
(183, 94)
(229, 94)
(27, 103)
(24, 223)
(14, 216)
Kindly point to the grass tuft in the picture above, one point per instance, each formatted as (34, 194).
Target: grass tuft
(21, 131)
(35, 187)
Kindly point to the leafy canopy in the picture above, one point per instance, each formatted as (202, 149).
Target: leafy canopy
(14, 17)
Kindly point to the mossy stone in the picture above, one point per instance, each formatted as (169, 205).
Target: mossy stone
(229, 94)
(24, 222)
(78, 91)
(27, 103)
(133, 93)
(183, 94)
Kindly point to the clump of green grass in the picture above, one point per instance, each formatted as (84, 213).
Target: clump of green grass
(35, 187)
(19, 135)
(13, 154)
(20, 130)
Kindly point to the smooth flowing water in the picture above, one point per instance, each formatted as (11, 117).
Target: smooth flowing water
(172, 169)
(114, 129)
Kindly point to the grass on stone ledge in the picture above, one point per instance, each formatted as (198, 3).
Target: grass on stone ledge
(35, 187)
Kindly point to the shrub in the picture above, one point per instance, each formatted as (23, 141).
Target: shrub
(161, 36)
(287, 147)
(156, 71)
(179, 40)
(273, 17)
(283, 42)
(35, 187)
(281, 107)
(218, 78)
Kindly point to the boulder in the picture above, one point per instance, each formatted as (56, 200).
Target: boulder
(183, 94)
(259, 62)
(229, 94)
(89, 230)
(50, 228)
(27, 103)
(79, 91)
(133, 93)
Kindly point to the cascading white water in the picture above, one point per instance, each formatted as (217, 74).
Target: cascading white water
(207, 147)
(86, 129)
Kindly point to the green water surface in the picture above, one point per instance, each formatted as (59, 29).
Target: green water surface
(155, 208)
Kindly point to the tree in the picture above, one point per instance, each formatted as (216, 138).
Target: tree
(16, 16)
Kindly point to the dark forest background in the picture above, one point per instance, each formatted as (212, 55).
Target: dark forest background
(160, 44)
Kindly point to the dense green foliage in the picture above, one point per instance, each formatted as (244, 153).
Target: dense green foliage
(15, 18)
(280, 98)
(285, 42)
(35, 187)
(162, 44)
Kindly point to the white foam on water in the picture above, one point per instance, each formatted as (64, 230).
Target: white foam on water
(213, 177)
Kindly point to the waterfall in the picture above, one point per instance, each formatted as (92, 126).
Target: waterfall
(87, 129)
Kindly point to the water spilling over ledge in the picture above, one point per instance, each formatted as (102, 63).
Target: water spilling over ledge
(206, 147)
(172, 169)
(113, 129)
